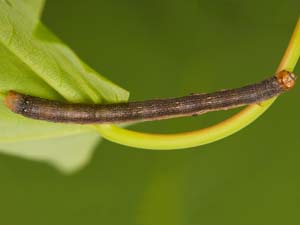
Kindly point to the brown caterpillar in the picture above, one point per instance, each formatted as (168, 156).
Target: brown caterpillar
(158, 109)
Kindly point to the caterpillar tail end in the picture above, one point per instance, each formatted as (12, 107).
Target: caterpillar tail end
(286, 79)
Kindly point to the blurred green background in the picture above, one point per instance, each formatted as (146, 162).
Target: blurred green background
(164, 48)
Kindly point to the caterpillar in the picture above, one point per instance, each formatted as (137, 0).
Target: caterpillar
(157, 109)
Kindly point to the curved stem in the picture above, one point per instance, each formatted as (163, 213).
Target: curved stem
(206, 135)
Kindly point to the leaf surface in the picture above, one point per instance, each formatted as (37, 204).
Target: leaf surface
(34, 61)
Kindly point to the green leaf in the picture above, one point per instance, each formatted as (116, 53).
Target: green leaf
(68, 154)
(50, 60)
(35, 7)
(34, 61)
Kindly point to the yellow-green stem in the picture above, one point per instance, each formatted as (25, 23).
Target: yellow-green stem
(206, 135)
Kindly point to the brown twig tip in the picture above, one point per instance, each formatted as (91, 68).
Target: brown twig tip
(286, 79)
(13, 100)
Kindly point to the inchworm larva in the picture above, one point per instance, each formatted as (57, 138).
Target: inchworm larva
(196, 104)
